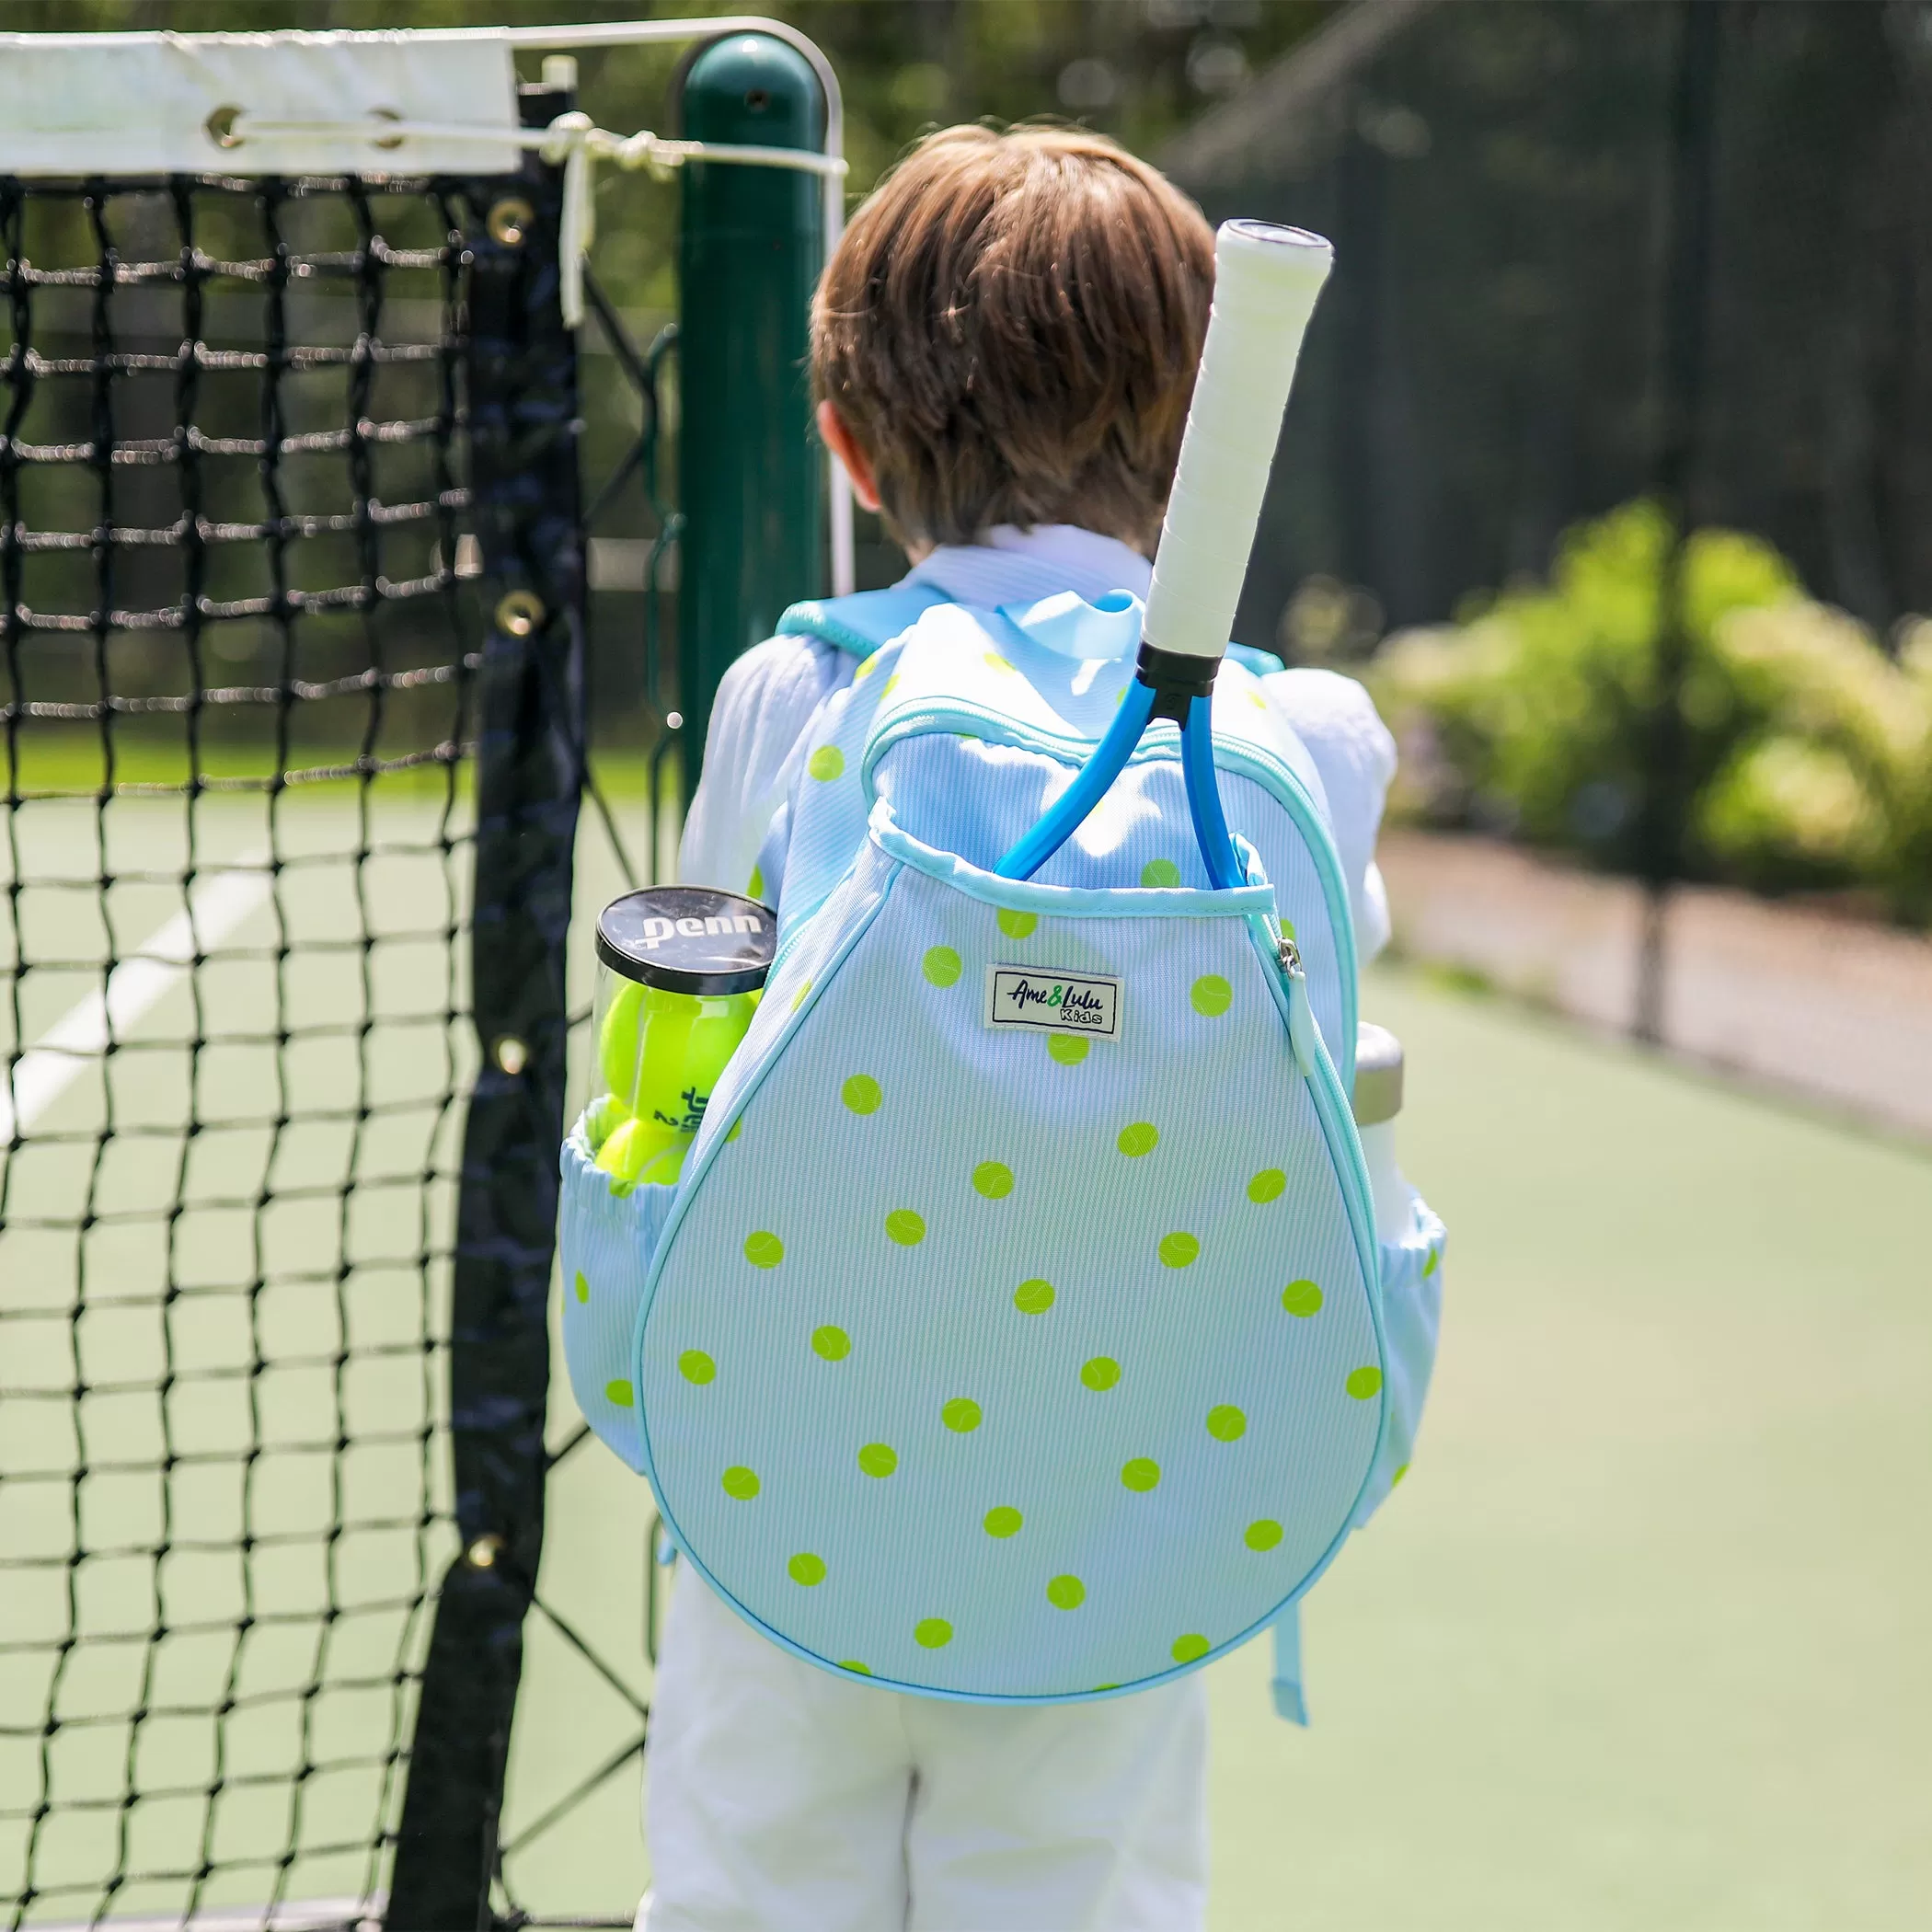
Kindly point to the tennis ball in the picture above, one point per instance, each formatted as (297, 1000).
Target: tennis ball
(634, 1148)
(663, 1053)
(604, 1114)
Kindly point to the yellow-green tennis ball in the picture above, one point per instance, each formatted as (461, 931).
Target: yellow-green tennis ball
(662, 1053)
(1066, 1592)
(1004, 1522)
(932, 1633)
(601, 1118)
(634, 1148)
(763, 1248)
(618, 1041)
(1187, 1648)
(667, 1164)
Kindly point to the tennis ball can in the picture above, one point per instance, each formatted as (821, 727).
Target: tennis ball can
(679, 972)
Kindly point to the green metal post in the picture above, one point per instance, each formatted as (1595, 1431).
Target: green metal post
(750, 469)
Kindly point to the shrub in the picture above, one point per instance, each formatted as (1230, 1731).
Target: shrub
(1808, 751)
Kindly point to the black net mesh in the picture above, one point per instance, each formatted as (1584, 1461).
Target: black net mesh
(240, 649)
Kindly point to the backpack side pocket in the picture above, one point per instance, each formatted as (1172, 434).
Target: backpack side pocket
(606, 1241)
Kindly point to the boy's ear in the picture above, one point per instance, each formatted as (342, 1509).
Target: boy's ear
(856, 465)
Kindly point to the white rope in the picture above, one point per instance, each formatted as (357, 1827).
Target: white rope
(579, 144)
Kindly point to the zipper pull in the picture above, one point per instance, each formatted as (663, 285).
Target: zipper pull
(1301, 1015)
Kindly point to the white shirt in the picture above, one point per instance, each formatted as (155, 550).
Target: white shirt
(767, 699)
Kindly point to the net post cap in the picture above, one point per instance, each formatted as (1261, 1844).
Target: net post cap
(752, 87)
(1378, 1074)
(688, 938)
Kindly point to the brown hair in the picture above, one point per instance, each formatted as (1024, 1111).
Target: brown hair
(1010, 329)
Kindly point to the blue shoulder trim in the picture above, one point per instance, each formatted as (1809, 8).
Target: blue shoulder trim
(865, 620)
(1261, 662)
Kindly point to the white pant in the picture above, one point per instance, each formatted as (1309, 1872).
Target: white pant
(785, 1798)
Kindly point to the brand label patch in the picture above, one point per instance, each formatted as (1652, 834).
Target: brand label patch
(1050, 1002)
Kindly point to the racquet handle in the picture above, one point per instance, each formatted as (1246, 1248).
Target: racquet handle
(1266, 282)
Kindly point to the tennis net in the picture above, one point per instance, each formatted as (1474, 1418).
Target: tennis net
(293, 546)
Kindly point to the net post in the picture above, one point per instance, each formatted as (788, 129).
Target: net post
(750, 472)
(521, 377)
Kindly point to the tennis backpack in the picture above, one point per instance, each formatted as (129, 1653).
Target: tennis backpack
(1017, 1330)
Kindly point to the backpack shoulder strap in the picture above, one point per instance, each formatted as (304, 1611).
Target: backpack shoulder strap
(862, 622)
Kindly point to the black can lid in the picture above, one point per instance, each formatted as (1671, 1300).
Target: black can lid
(687, 939)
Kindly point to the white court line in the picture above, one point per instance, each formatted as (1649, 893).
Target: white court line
(292, 1916)
(217, 904)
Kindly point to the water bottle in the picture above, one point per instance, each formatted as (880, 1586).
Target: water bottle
(1378, 1100)
(679, 973)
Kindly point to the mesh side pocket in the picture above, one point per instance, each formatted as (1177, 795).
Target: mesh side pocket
(606, 1241)
(1412, 1318)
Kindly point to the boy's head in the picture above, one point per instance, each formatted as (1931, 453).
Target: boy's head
(1008, 333)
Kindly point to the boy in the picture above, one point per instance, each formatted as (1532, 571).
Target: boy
(1004, 347)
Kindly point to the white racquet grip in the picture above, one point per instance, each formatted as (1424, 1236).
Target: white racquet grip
(1266, 282)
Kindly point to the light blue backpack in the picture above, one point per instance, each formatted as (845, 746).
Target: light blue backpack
(1018, 1331)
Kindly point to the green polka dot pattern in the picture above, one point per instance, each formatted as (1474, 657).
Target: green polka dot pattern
(1211, 995)
(618, 1390)
(825, 764)
(582, 1287)
(1362, 1383)
(1302, 1298)
(995, 1365)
